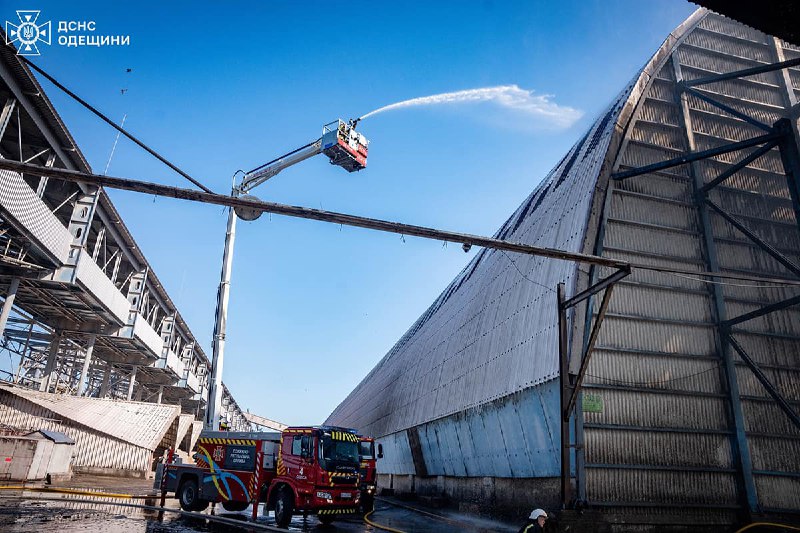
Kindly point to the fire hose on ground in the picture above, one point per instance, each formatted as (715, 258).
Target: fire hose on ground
(121, 496)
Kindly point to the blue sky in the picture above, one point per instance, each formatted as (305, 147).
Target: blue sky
(216, 88)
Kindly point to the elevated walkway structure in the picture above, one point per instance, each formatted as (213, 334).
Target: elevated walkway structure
(84, 313)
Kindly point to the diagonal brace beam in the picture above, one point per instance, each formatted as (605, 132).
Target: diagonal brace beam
(736, 167)
(587, 354)
(775, 393)
(744, 72)
(597, 287)
(768, 248)
(777, 306)
(728, 109)
(696, 156)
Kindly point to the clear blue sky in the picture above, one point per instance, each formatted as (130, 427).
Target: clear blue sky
(219, 87)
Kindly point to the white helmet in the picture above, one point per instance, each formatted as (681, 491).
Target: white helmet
(536, 513)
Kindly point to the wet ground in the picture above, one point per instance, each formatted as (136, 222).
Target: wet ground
(31, 511)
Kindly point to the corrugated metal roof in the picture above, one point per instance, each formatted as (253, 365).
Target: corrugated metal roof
(55, 436)
(142, 424)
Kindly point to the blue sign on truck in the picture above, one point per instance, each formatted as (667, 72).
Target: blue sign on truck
(240, 457)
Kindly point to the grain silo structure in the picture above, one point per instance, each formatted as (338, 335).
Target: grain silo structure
(688, 403)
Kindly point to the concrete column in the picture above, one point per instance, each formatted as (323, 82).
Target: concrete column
(106, 381)
(140, 392)
(87, 359)
(8, 304)
(132, 382)
(49, 368)
(160, 393)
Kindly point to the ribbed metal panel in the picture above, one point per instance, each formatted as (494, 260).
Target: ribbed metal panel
(516, 436)
(659, 410)
(778, 492)
(661, 186)
(653, 336)
(654, 211)
(605, 446)
(661, 486)
(775, 454)
(764, 416)
(655, 371)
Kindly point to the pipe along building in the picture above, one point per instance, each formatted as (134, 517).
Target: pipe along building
(687, 404)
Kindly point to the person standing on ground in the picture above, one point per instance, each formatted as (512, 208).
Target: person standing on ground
(535, 522)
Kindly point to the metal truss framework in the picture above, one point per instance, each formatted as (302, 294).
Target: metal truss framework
(783, 134)
(57, 334)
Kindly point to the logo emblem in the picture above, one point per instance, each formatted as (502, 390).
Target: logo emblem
(28, 33)
(218, 453)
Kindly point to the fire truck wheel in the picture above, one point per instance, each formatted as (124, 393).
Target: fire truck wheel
(235, 507)
(283, 507)
(188, 495)
(326, 519)
(201, 505)
(367, 503)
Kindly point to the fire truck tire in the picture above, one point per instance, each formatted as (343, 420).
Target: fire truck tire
(284, 505)
(367, 503)
(326, 519)
(235, 507)
(189, 496)
(201, 505)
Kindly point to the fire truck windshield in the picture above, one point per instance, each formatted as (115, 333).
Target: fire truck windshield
(366, 449)
(334, 454)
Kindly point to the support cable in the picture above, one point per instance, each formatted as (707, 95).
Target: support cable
(114, 125)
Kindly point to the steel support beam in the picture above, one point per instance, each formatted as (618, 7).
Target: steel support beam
(587, 355)
(307, 213)
(742, 73)
(83, 387)
(597, 287)
(739, 444)
(728, 109)
(8, 304)
(764, 380)
(736, 167)
(49, 369)
(762, 311)
(768, 248)
(5, 115)
(132, 382)
(106, 383)
(693, 156)
(564, 415)
(790, 156)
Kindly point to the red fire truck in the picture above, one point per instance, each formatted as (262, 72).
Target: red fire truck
(368, 472)
(303, 470)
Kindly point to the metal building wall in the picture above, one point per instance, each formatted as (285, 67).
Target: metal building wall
(658, 426)
(489, 342)
(662, 426)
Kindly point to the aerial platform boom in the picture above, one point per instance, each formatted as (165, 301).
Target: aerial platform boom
(345, 147)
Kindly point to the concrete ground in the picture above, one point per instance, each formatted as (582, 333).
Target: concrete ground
(27, 511)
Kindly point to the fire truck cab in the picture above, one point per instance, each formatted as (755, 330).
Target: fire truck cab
(368, 475)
